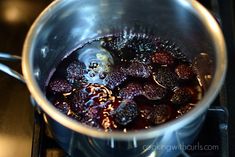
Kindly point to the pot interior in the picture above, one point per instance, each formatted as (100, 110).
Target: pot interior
(73, 23)
(66, 25)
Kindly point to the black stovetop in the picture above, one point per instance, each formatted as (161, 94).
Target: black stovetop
(19, 124)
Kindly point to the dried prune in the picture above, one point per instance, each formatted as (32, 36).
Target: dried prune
(184, 71)
(162, 58)
(91, 117)
(160, 114)
(78, 100)
(113, 79)
(60, 86)
(182, 96)
(154, 92)
(139, 49)
(165, 78)
(75, 72)
(175, 51)
(130, 91)
(127, 81)
(126, 112)
(137, 69)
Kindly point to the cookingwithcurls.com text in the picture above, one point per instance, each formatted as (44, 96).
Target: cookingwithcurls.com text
(182, 147)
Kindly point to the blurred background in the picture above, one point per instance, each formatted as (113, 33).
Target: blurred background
(16, 112)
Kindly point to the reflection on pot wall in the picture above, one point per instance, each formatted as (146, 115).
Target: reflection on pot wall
(170, 144)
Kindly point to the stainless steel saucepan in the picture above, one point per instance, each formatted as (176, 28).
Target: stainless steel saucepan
(66, 24)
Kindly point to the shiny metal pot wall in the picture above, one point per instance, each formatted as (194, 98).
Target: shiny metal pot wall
(66, 24)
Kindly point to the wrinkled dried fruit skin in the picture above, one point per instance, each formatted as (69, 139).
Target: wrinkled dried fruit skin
(150, 91)
(184, 72)
(114, 79)
(116, 45)
(139, 49)
(60, 86)
(166, 78)
(75, 72)
(78, 102)
(126, 112)
(137, 69)
(175, 51)
(160, 114)
(154, 92)
(163, 58)
(182, 96)
(91, 117)
(132, 49)
(130, 91)
(124, 83)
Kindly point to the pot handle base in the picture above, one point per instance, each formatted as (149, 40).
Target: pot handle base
(6, 69)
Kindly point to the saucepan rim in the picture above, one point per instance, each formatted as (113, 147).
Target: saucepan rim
(201, 107)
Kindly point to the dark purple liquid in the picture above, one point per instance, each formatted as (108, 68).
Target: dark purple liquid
(125, 83)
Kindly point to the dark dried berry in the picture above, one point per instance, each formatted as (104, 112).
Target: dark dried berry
(82, 94)
(174, 51)
(60, 86)
(76, 106)
(113, 79)
(62, 106)
(137, 69)
(126, 55)
(126, 112)
(160, 114)
(138, 49)
(184, 72)
(162, 58)
(154, 92)
(75, 72)
(184, 109)
(164, 77)
(92, 112)
(89, 116)
(79, 99)
(182, 96)
(144, 57)
(129, 81)
(130, 91)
